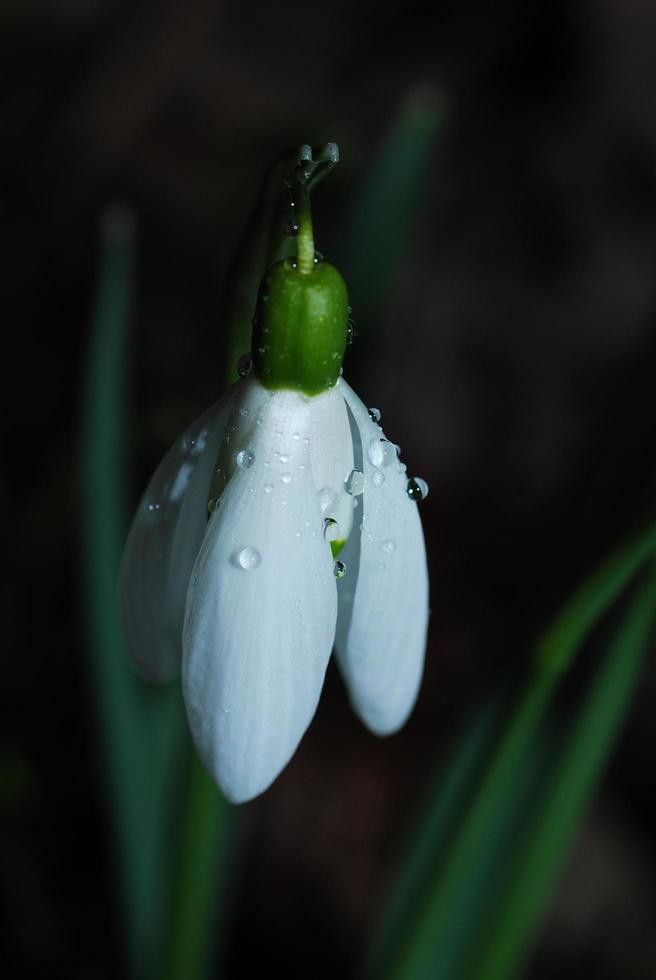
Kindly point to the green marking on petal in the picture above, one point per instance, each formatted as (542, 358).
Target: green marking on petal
(336, 546)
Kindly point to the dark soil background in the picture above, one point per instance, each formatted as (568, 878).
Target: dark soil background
(515, 363)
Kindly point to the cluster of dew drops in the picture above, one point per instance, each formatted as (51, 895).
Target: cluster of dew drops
(381, 453)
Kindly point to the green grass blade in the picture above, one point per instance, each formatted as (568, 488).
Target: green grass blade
(501, 794)
(139, 729)
(385, 212)
(429, 838)
(537, 863)
(202, 857)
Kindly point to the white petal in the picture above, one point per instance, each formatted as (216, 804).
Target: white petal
(261, 609)
(166, 534)
(331, 450)
(383, 598)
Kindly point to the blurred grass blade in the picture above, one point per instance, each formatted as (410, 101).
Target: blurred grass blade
(429, 838)
(386, 210)
(449, 911)
(201, 871)
(537, 863)
(140, 730)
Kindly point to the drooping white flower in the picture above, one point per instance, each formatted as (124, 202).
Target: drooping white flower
(281, 523)
(258, 578)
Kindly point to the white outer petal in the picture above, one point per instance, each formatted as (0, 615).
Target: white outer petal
(163, 542)
(257, 643)
(383, 599)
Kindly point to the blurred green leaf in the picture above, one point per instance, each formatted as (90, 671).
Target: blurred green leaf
(429, 838)
(451, 909)
(141, 730)
(201, 868)
(385, 212)
(537, 859)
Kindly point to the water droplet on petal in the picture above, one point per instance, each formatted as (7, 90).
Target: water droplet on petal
(380, 452)
(153, 507)
(339, 569)
(327, 499)
(284, 457)
(354, 483)
(296, 436)
(374, 414)
(212, 504)
(351, 330)
(378, 478)
(248, 558)
(331, 530)
(401, 467)
(244, 459)
(286, 478)
(244, 365)
(268, 487)
(417, 489)
(389, 547)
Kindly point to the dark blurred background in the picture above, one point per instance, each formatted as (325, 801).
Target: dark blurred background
(523, 392)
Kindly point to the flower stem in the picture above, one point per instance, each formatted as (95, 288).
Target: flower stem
(305, 231)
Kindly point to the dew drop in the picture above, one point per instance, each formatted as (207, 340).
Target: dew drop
(389, 547)
(286, 478)
(244, 459)
(351, 330)
(284, 457)
(213, 504)
(380, 452)
(248, 558)
(327, 499)
(331, 530)
(378, 478)
(296, 436)
(417, 489)
(153, 507)
(354, 483)
(268, 487)
(339, 569)
(244, 365)
(374, 414)
(401, 467)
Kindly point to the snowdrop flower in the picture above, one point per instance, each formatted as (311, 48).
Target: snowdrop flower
(281, 524)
